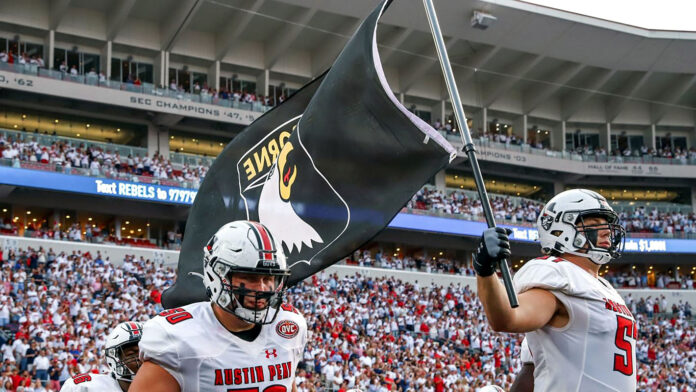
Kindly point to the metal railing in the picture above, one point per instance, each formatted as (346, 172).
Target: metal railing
(143, 88)
(528, 149)
(101, 173)
(47, 140)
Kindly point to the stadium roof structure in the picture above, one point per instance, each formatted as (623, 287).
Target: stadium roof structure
(533, 60)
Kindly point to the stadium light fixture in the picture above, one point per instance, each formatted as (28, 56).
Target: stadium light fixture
(78, 135)
(28, 212)
(4, 210)
(56, 121)
(127, 222)
(24, 116)
(89, 219)
(87, 125)
(15, 125)
(118, 129)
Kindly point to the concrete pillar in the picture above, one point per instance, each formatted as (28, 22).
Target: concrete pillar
(163, 142)
(558, 187)
(440, 183)
(652, 143)
(563, 136)
(262, 82)
(484, 119)
(117, 227)
(49, 48)
(557, 138)
(437, 111)
(402, 98)
(106, 55)
(442, 111)
(160, 69)
(693, 198)
(605, 137)
(214, 75)
(525, 127)
(153, 142)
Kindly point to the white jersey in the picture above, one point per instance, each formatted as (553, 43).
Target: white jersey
(89, 382)
(525, 354)
(202, 355)
(596, 350)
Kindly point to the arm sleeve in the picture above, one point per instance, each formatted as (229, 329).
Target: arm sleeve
(303, 339)
(69, 386)
(157, 346)
(540, 274)
(526, 353)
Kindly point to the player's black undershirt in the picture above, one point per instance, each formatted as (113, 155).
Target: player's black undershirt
(250, 334)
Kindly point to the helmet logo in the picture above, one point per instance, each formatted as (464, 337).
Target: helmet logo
(287, 329)
(546, 221)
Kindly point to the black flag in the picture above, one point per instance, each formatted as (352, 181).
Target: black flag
(325, 171)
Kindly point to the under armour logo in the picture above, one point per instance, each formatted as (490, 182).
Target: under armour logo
(271, 352)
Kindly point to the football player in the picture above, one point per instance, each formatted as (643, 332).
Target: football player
(582, 335)
(121, 351)
(524, 380)
(244, 339)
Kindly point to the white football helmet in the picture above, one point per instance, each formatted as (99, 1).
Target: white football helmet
(562, 227)
(125, 335)
(244, 247)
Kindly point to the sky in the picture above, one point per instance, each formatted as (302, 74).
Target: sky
(654, 15)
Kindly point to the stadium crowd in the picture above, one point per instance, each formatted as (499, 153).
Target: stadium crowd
(95, 160)
(374, 333)
(518, 210)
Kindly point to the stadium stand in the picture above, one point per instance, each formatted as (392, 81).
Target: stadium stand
(365, 332)
(598, 104)
(75, 156)
(203, 94)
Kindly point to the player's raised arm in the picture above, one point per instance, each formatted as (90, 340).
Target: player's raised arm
(537, 306)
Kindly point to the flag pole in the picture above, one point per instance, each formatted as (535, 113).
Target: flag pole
(468, 148)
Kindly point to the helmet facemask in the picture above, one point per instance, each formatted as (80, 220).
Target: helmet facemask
(587, 236)
(253, 306)
(124, 358)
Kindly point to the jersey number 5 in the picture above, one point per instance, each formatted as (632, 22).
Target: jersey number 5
(625, 328)
(80, 378)
(176, 315)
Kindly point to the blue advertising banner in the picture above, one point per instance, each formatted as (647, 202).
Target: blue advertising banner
(175, 195)
(95, 186)
(455, 226)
